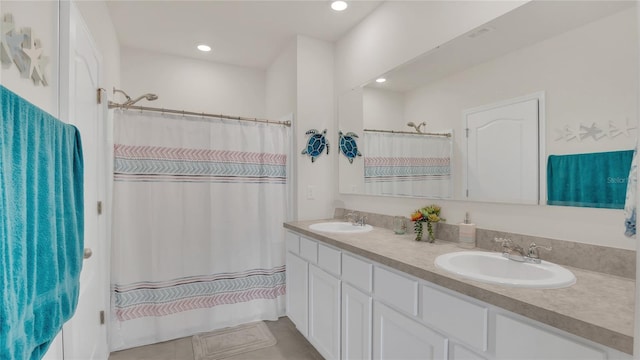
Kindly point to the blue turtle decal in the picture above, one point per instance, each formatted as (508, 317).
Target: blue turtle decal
(348, 145)
(316, 144)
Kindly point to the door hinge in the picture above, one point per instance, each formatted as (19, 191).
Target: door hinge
(467, 131)
(99, 95)
(467, 192)
(99, 207)
(102, 317)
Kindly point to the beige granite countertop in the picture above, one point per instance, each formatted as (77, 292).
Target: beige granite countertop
(599, 307)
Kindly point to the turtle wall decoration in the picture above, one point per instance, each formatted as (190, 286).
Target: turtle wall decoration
(348, 145)
(316, 144)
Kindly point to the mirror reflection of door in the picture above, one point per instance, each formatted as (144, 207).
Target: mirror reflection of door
(502, 152)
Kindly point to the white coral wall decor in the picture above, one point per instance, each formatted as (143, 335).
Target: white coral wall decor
(594, 131)
(21, 48)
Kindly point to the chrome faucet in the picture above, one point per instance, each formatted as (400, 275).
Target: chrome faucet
(510, 250)
(533, 255)
(515, 252)
(355, 219)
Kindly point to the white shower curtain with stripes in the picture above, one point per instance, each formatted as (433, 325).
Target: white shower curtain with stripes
(197, 230)
(407, 165)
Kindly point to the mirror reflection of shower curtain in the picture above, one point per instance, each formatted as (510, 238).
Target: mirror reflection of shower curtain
(197, 230)
(407, 165)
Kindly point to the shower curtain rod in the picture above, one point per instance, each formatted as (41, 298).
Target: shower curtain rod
(113, 105)
(407, 132)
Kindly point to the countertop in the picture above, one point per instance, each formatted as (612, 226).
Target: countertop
(599, 307)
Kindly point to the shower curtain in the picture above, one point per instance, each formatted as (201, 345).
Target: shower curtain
(197, 234)
(407, 165)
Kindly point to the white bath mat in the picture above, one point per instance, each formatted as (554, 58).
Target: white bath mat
(227, 342)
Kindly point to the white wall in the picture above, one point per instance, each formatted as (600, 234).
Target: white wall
(42, 18)
(566, 56)
(193, 85)
(315, 102)
(282, 83)
(384, 109)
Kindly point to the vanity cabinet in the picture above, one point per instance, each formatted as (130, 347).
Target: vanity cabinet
(356, 323)
(324, 312)
(350, 307)
(515, 339)
(396, 336)
(297, 292)
(314, 293)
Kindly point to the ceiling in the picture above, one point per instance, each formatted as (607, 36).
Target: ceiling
(244, 33)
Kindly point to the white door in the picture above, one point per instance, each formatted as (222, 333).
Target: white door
(324, 312)
(297, 292)
(396, 337)
(84, 336)
(356, 324)
(502, 153)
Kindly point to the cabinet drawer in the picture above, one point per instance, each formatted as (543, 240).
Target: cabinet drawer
(357, 272)
(292, 242)
(460, 318)
(396, 290)
(513, 336)
(329, 259)
(309, 249)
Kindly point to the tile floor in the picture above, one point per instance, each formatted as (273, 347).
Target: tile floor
(291, 345)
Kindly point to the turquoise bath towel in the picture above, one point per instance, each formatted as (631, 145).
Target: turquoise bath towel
(589, 180)
(41, 226)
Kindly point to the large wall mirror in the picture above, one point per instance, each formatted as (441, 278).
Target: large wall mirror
(569, 67)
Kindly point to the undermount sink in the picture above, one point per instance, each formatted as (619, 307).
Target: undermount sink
(493, 268)
(340, 227)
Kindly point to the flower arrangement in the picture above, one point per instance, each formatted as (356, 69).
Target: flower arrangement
(429, 214)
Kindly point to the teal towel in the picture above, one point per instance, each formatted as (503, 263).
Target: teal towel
(41, 226)
(589, 180)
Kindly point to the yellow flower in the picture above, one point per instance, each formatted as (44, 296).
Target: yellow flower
(433, 218)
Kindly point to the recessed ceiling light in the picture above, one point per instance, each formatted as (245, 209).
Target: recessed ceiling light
(204, 48)
(339, 5)
(381, 80)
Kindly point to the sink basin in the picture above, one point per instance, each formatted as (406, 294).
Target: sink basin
(340, 227)
(493, 268)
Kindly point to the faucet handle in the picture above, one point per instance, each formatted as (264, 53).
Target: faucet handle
(533, 250)
(506, 244)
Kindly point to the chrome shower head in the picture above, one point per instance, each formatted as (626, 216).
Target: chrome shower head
(148, 97)
(115, 91)
(417, 127)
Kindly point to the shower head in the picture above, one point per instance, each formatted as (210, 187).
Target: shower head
(115, 91)
(148, 97)
(417, 127)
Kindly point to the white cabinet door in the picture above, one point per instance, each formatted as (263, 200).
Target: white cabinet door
(502, 153)
(518, 340)
(356, 324)
(457, 352)
(324, 312)
(396, 337)
(297, 291)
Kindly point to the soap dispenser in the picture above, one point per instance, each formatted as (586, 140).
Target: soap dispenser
(467, 232)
